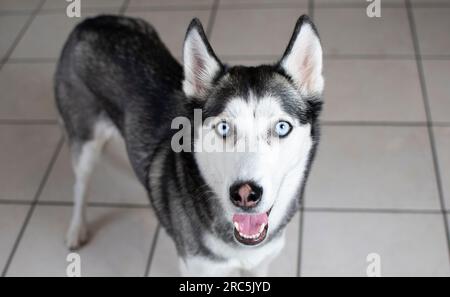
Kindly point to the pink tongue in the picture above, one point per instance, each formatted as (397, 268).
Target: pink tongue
(249, 224)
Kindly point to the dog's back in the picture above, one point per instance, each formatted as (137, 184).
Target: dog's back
(110, 64)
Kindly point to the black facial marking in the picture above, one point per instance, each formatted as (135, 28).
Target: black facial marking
(261, 81)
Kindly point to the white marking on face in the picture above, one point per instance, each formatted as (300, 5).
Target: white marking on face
(276, 164)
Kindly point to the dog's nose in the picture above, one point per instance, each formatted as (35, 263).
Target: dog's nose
(246, 194)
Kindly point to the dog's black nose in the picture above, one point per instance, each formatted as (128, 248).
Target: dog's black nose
(245, 194)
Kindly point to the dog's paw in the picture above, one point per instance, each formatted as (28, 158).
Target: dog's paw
(77, 236)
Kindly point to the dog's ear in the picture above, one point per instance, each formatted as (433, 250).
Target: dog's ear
(201, 65)
(302, 60)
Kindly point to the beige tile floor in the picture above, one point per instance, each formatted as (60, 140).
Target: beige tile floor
(381, 183)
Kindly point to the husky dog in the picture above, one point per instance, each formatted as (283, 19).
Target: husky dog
(225, 211)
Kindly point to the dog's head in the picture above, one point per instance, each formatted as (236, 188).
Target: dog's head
(260, 127)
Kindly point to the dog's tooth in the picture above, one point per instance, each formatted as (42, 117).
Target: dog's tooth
(249, 236)
(236, 225)
(261, 228)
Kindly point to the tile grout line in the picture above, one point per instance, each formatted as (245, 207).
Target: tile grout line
(261, 6)
(426, 102)
(95, 204)
(356, 5)
(14, 202)
(338, 57)
(21, 34)
(311, 9)
(152, 250)
(304, 209)
(329, 57)
(212, 18)
(123, 8)
(400, 57)
(28, 122)
(99, 9)
(371, 123)
(14, 13)
(33, 205)
(300, 242)
(145, 8)
(441, 124)
(443, 4)
(31, 60)
(371, 210)
(302, 212)
(323, 122)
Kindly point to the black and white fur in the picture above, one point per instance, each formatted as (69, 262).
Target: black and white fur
(116, 78)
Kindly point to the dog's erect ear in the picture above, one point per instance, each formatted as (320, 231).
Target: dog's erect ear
(201, 65)
(302, 60)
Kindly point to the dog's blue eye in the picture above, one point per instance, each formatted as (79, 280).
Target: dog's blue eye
(223, 129)
(282, 128)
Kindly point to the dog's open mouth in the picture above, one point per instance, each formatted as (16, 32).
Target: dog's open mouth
(251, 229)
